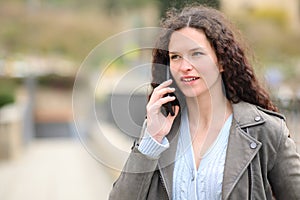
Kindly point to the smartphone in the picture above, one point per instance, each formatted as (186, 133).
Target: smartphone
(170, 106)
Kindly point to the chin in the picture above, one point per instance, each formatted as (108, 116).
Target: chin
(193, 93)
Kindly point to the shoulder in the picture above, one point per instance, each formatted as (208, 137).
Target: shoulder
(250, 115)
(267, 127)
(271, 129)
(271, 113)
(274, 123)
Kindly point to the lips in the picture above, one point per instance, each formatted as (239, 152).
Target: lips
(188, 79)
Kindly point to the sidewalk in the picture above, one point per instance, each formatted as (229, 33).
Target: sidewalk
(54, 169)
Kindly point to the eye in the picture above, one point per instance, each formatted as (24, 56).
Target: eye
(197, 53)
(175, 57)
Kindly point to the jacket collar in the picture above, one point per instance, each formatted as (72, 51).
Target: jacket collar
(242, 147)
(247, 115)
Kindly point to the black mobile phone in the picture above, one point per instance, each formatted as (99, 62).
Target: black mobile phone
(170, 106)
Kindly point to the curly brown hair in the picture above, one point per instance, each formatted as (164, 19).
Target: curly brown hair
(240, 81)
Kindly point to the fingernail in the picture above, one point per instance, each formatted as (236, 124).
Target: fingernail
(167, 82)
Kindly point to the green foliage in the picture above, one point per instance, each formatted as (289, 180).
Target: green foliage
(50, 29)
(70, 28)
(178, 4)
(277, 16)
(7, 91)
(56, 81)
(115, 5)
(268, 34)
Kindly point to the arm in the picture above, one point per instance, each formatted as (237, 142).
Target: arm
(150, 147)
(136, 176)
(137, 173)
(285, 174)
(134, 181)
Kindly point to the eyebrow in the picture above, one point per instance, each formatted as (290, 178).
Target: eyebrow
(193, 49)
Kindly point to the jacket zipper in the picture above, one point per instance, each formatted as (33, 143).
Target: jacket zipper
(250, 181)
(249, 175)
(163, 185)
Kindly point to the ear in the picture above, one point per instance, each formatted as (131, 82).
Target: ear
(221, 69)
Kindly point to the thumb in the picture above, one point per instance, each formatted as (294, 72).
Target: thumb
(176, 113)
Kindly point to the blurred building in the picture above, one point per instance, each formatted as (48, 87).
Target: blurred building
(22, 66)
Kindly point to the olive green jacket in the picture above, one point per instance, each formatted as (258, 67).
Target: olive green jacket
(261, 162)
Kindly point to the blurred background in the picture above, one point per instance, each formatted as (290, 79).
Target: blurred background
(42, 46)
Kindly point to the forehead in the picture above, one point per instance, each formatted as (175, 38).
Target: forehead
(188, 38)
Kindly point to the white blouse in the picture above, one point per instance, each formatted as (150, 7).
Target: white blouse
(206, 181)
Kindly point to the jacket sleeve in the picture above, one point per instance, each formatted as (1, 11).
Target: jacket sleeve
(150, 147)
(135, 178)
(285, 174)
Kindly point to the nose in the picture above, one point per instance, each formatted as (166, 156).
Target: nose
(186, 65)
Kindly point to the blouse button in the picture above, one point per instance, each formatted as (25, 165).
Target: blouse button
(202, 194)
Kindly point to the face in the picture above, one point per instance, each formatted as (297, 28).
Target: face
(193, 62)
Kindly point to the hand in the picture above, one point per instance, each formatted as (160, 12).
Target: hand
(158, 126)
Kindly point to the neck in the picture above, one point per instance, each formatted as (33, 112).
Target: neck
(208, 109)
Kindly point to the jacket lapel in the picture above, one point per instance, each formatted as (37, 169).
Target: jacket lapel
(167, 159)
(242, 147)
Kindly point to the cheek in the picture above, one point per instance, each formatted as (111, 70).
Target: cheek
(206, 67)
(175, 74)
(210, 75)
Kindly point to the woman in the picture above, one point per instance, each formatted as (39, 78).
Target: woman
(222, 139)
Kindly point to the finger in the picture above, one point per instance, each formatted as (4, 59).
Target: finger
(158, 88)
(176, 113)
(155, 107)
(164, 84)
(165, 100)
(156, 95)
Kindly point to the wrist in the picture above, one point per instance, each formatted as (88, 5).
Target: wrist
(158, 138)
(156, 135)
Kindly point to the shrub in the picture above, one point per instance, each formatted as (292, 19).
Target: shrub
(7, 91)
(56, 81)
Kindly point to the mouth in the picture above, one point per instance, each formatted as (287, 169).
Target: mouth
(188, 79)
